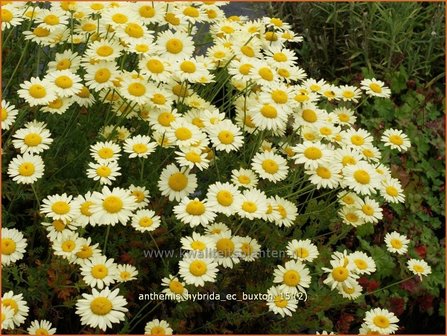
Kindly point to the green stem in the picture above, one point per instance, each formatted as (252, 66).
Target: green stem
(106, 239)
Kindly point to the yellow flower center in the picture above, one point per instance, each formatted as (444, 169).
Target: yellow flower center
(224, 198)
(158, 331)
(41, 332)
(142, 48)
(158, 99)
(124, 275)
(84, 93)
(134, 30)
(301, 252)
(174, 46)
(172, 19)
(119, 18)
(104, 51)
(246, 249)
(340, 273)
(180, 90)
(198, 268)
(198, 245)
(58, 225)
(100, 271)
(64, 82)
(191, 12)
(140, 148)
(102, 75)
(269, 111)
(68, 245)
(357, 140)
(286, 74)
(27, 169)
(103, 171)
(195, 208)
(212, 14)
(352, 217)
(145, 222)
(362, 176)
(279, 96)
(245, 68)
(266, 74)
(88, 27)
(7, 16)
(291, 278)
(178, 181)
(280, 301)
(225, 247)
(136, 89)
(282, 211)
(323, 172)
(270, 166)
(348, 94)
(155, 66)
(392, 191)
(381, 321)
(418, 268)
(37, 91)
(85, 252)
(396, 139)
(112, 204)
(165, 119)
(12, 304)
(249, 206)
(313, 153)
(147, 11)
(375, 87)
(193, 157)
(188, 67)
(280, 57)
(60, 207)
(8, 246)
(325, 131)
(396, 243)
(51, 20)
(309, 115)
(226, 137)
(41, 32)
(183, 133)
(101, 306)
(4, 114)
(348, 160)
(176, 287)
(248, 51)
(361, 264)
(277, 22)
(368, 210)
(348, 290)
(244, 179)
(343, 117)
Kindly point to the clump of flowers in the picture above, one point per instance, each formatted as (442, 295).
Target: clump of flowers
(225, 128)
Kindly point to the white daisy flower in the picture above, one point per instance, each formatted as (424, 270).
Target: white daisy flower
(174, 288)
(67, 245)
(194, 212)
(364, 264)
(19, 307)
(37, 92)
(58, 207)
(99, 272)
(270, 166)
(222, 197)
(105, 173)
(418, 267)
(157, 327)
(196, 271)
(141, 195)
(227, 249)
(66, 83)
(281, 302)
(311, 154)
(375, 88)
(396, 242)
(26, 168)
(176, 184)
(13, 246)
(104, 152)
(112, 206)
(293, 277)
(391, 190)
(145, 220)
(303, 250)
(9, 114)
(42, 327)
(325, 175)
(252, 204)
(362, 178)
(101, 309)
(396, 139)
(342, 272)
(245, 178)
(369, 210)
(82, 209)
(139, 146)
(350, 293)
(381, 321)
(7, 314)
